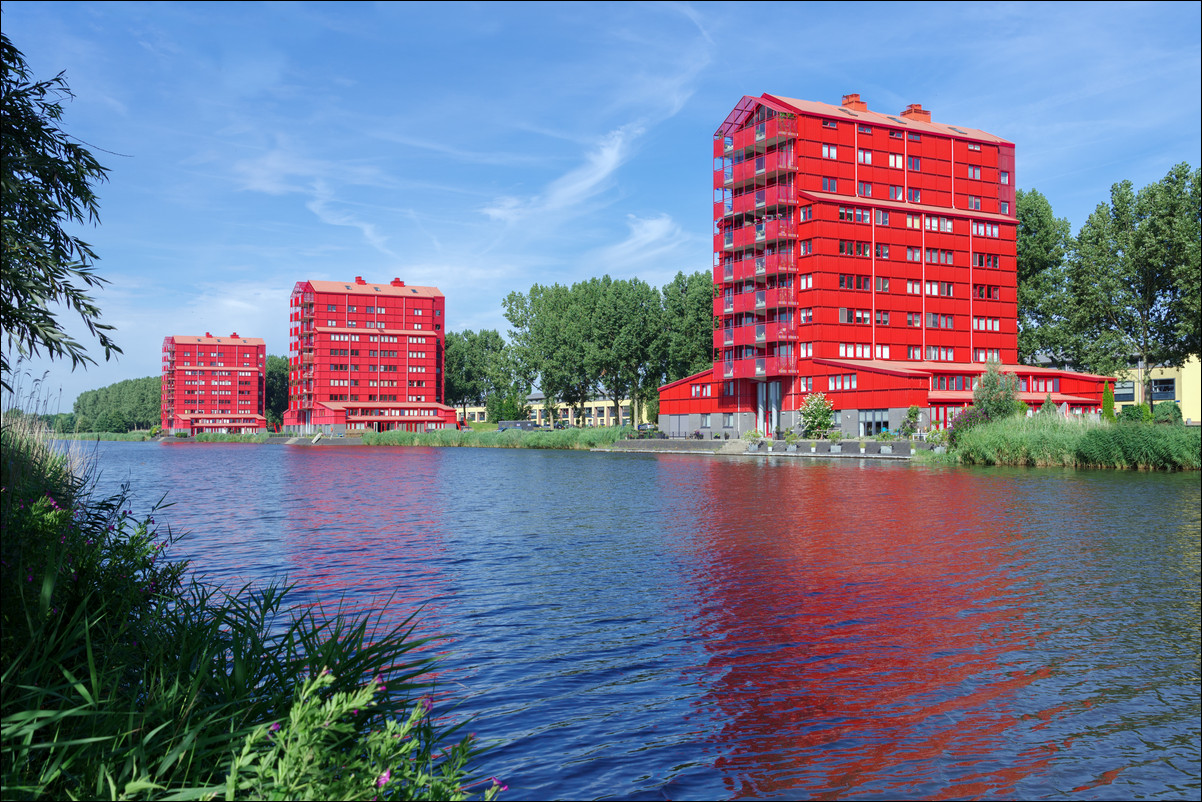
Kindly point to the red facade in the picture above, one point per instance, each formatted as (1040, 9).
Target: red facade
(867, 256)
(214, 384)
(366, 357)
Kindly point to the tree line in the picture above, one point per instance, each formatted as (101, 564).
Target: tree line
(603, 337)
(1125, 291)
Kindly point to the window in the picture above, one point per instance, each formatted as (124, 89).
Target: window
(864, 189)
(914, 319)
(895, 134)
(985, 229)
(913, 221)
(914, 352)
(829, 185)
(896, 193)
(914, 254)
(331, 308)
(1003, 177)
(882, 251)
(914, 163)
(829, 124)
(873, 422)
(913, 136)
(1004, 207)
(895, 161)
(974, 202)
(882, 217)
(986, 260)
(882, 318)
(914, 194)
(987, 292)
(1164, 389)
(864, 156)
(1124, 391)
(728, 418)
(882, 284)
(974, 172)
(974, 146)
(705, 420)
(829, 152)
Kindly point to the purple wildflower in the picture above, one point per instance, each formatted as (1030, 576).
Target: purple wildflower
(503, 786)
(383, 779)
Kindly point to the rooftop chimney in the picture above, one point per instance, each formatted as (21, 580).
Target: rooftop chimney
(359, 280)
(854, 103)
(396, 282)
(209, 335)
(234, 335)
(915, 111)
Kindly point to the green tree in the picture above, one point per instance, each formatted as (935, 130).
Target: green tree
(46, 182)
(1126, 277)
(1042, 242)
(622, 341)
(551, 327)
(276, 390)
(996, 393)
(689, 325)
(1107, 402)
(816, 412)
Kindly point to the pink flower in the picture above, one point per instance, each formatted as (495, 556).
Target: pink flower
(497, 782)
(383, 779)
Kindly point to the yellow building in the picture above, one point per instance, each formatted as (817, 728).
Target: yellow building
(597, 412)
(1182, 385)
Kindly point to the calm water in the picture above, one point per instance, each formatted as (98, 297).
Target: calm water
(643, 626)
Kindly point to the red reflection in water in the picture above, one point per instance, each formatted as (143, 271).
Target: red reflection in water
(853, 653)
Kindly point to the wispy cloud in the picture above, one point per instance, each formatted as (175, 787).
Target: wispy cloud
(324, 205)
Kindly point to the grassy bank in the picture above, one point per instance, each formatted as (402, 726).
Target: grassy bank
(123, 678)
(1053, 441)
(133, 437)
(511, 438)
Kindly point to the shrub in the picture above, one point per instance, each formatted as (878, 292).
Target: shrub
(816, 412)
(910, 425)
(1168, 412)
(835, 435)
(996, 394)
(885, 436)
(967, 418)
(1048, 407)
(937, 437)
(1136, 413)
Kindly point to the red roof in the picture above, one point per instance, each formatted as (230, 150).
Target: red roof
(890, 120)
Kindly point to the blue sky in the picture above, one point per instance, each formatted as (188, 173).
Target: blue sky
(482, 148)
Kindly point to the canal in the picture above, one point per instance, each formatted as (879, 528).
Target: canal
(656, 626)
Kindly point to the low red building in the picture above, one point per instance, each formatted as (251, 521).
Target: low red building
(867, 256)
(214, 384)
(366, 357)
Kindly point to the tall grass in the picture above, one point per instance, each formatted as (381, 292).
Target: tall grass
(123, 678)
(511, 438)
(1050, 440)
(217, 437)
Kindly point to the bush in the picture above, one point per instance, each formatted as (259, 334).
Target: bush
(910, 424)
(1136, 413)
(996, 394)
(1168, 412)
(815, 413)
(1108, 402)
(123, 678)
(753, 435)
(1048, 407)
(967, 418)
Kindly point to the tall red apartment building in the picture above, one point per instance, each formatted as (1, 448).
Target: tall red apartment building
(366, 357)
(867, 256)
(214, 384)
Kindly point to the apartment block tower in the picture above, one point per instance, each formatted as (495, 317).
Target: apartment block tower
(214, 384)
(366, 357)
(864, 255)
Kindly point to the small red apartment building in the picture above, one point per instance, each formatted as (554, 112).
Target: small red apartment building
(867, 256)
(214, 384)
(366, 357)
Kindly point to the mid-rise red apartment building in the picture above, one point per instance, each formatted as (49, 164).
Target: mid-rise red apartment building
(867, 256)
(366, 356)
(214, 384)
